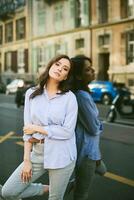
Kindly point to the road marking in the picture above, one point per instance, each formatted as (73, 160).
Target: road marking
(13, 137)
(107, 175)
(20, 143)
(119, 179)
(7, 136)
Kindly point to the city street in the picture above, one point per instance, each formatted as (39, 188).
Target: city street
(117, 146)
(54, 44)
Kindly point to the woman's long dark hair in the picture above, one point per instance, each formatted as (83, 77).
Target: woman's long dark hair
(64, 86)
(78, 67)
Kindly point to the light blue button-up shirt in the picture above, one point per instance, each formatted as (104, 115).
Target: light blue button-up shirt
(58, 116)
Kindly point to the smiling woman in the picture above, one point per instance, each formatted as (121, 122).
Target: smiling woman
(50, 115)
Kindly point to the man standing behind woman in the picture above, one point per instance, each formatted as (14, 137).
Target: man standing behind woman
(50, 115)
(88, 128)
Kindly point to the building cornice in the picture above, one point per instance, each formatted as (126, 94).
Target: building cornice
(75, 30)
(12, 44)
(90, 27)
(103, 25)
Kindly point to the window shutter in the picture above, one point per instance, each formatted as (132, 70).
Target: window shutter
(26, 60)
(14, 61)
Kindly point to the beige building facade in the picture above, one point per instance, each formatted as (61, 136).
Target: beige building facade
(100, 29)
(59, 28)
(14, 41)
(112, 33)
(51, 27)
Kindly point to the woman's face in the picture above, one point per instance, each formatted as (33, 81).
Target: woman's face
(88, 74)
(60, 69)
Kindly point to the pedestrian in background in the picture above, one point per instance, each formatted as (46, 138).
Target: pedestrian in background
(88, 129)
(50, 115)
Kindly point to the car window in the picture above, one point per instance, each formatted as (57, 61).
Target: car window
(96, 85)
(14, 82)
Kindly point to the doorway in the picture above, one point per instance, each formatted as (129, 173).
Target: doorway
(103, 65)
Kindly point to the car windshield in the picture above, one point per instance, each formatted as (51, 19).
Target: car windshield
(14, 82)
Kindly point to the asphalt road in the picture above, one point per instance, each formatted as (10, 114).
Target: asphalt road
(117, 146)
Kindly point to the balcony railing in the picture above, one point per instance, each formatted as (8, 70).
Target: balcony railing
(8, 7)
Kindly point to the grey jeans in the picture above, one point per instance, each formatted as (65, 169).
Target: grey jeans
(84, 174)
(58, 180)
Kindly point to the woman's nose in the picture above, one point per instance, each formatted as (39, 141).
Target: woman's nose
(59, 68)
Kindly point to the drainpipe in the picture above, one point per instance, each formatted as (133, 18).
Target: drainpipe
(90, 28)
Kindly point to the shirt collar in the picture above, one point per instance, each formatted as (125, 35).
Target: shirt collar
(52, 97)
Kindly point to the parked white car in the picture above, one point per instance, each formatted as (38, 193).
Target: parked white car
(13, 86)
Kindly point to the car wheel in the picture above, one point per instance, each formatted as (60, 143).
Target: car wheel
(106, 99)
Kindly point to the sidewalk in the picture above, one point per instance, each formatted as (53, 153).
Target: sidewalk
(125, 121)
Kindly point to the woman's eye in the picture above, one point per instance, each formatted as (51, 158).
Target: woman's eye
(57, 64)
(65, 69)
(89, 69)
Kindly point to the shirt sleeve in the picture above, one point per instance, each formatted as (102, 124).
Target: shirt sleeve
(88, 115)
(67, 130)
(27, 118)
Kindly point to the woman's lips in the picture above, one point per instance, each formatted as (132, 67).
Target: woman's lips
(58, 74)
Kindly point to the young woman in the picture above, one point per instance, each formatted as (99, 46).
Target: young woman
(50, 115)
(88, 128)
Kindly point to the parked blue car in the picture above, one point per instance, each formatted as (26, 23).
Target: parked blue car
(103, 91)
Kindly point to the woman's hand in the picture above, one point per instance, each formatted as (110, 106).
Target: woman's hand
(26, 173)
(30, 129)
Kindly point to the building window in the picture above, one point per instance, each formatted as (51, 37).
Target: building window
(58, 17)
(21, 2)
(82, 10)
(20, 58)
(103, 11)
(79, 43)
(85, 9)
(61, 48)
(9, 32)
(58, 12)
(127, 8)
(131, 8)
(20, 29)
(41, 56)
(1, 34)
(104, 40)
(78, 13)
(41, 17)
(72, 8)
(131, 82)
(130, 47)
(8, 60)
